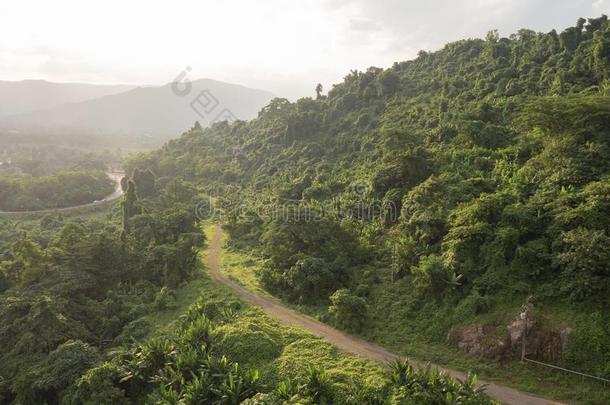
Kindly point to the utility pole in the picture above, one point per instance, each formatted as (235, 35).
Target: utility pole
(524, 317)
(524, 311)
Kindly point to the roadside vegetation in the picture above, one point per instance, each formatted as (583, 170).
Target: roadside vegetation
(383, 316)
(423, 206)
(191, 343)
(221, 351)
(445, 193)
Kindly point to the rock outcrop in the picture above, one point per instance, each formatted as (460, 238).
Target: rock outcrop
(542, 342)
(479, 340)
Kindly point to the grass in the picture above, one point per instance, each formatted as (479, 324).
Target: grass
(255, 340)
(254, 333)
(393, 325)
(164, 321)
(241, 267)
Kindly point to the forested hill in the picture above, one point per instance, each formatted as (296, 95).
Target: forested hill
(495, 154)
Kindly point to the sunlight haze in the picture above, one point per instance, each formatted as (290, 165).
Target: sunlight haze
(283, 47)
(316, 202)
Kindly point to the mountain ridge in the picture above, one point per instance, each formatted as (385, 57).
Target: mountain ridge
(24, 96)
(146, 110)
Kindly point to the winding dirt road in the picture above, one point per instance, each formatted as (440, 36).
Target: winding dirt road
(343, 341)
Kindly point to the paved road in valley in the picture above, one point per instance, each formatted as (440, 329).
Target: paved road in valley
(116, 194)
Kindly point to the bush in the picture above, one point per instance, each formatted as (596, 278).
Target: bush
(59, 370)
(474, 304)
(5, 393)
(583, 256)
(347, 311)
(318, 386)
(136, 329)
(589, 346)
(430, 386)
(165, 299)
(264, 399)
(98, 386)
(432, 276)
(309, 279)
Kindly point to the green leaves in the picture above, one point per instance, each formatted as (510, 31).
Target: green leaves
(63, 189)
(347, 310)
(430, 386)
(183, 369)
(582, 256)
(53, 375)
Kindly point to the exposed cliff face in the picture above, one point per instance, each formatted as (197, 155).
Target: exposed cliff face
(543, 342)
(479, 340)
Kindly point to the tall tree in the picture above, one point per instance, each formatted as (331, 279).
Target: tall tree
(129, 206)
(319, 90)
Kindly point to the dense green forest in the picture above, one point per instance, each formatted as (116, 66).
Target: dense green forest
(419, 205)
(439, 194)
(84, 307)
(69, 286)
(38, 176)
(62, 189)
(39, 159)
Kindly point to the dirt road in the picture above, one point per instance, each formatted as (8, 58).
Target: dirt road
(343, 341)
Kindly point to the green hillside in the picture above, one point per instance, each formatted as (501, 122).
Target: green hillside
(439, 194)
(422, 207)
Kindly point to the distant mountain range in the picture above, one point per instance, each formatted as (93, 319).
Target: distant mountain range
(32, 95)
(159, 112)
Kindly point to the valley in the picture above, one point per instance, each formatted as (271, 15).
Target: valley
(431, 232)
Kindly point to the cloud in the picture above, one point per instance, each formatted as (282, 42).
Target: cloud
(251, 42)
(361, 24)
(602, 6)
(432, 23)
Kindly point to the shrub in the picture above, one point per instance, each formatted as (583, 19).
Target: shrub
(583, 256)
(137, 330)
(198, 332)
(589, 346)
(309, 279)
(98, 386)
(432, 276)
(347, 311)
(318, 386)
(59, 370)
(165, 299)
(266, 399)
(430, 386)
(5, 393)
(474, 304)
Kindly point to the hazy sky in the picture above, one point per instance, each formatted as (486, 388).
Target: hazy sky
(279, 45)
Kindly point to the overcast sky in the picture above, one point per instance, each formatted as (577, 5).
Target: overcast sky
(279, 45)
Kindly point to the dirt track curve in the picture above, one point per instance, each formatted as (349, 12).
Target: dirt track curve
(343, 341)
